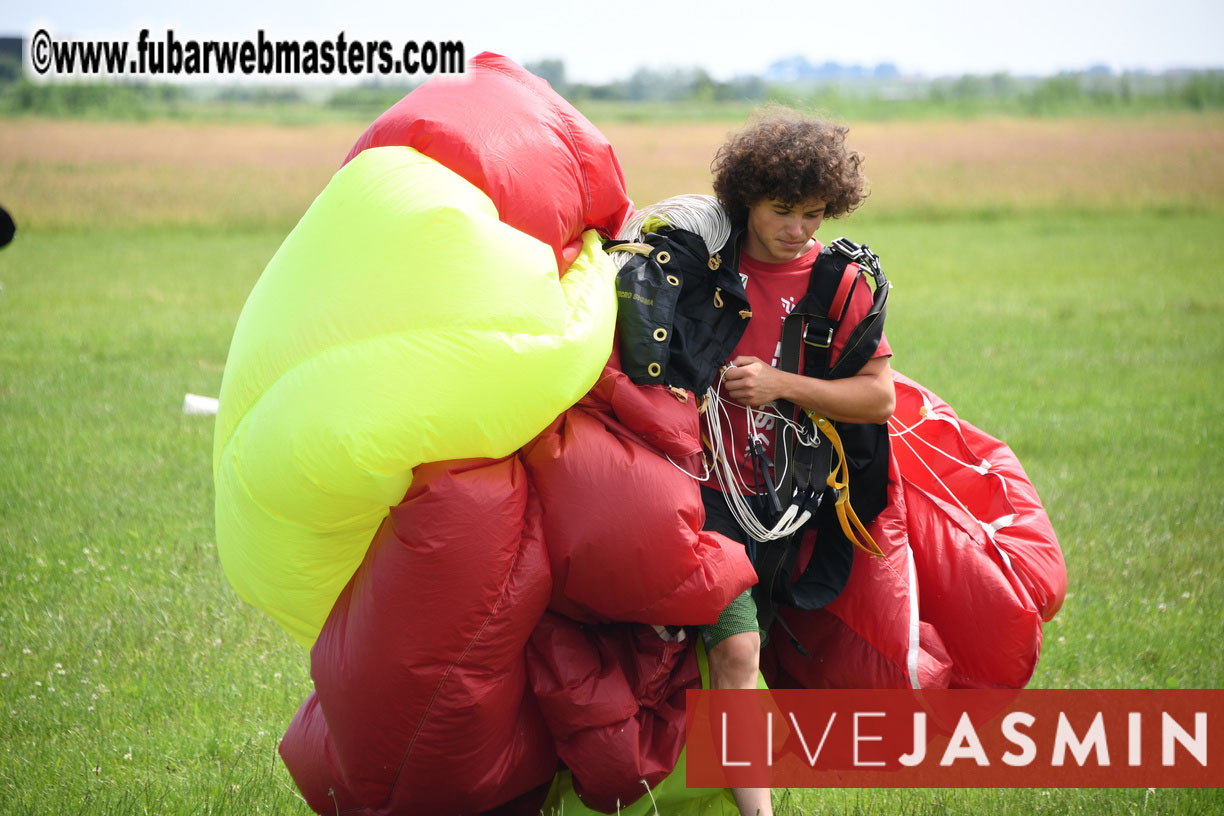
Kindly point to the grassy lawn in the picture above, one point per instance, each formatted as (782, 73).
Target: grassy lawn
(134, 680)
(1089, 335)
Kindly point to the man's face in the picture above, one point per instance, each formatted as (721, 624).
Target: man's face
(780, 232)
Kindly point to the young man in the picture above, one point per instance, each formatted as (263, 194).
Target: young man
(778, 180)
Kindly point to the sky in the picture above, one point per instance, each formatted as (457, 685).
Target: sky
(727, 39)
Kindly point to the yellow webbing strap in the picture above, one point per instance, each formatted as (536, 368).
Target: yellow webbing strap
(839, 480)
(635, 248)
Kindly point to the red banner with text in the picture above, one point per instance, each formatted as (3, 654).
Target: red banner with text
(1080, 738)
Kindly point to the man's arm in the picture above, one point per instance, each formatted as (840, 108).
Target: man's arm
(868, 396)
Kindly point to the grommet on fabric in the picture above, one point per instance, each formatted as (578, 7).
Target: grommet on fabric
(663, 257)
(673, 280)
(660, 334)
(654, 369)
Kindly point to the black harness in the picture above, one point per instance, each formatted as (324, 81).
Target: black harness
(807, 340)
(682, 311)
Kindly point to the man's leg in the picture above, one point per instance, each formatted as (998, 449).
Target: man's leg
(734, 662)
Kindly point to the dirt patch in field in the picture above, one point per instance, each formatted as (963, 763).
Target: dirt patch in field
(63, 174)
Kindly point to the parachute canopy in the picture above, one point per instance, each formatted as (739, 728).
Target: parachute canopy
(400, 322)
(413, 315)
(549, 171)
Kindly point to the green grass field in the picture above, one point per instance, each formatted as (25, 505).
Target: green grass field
(132, 680)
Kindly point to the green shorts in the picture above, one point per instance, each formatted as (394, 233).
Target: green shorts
(740, 616)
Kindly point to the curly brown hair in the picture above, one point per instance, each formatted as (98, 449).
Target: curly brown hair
(792, 159)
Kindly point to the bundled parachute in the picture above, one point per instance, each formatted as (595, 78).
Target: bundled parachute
(411, 347)
(430, 469)
(400, 322)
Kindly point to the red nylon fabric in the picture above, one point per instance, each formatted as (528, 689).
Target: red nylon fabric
(497, 626)
(981, 603)
(419, 671)
(548, 170)
(609, 490)
(628, 725)
(443, 686)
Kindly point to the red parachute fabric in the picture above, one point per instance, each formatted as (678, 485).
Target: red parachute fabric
(501, 621)
(613, 698)
(548, 170)
(642, 436)
(442, 686)
(420, 700)
(971, 569)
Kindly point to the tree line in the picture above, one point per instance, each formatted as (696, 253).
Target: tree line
(691, 89)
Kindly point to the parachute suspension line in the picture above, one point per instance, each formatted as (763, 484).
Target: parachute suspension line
(935, 475)
(653, 804)
(700, 214)
(702, 478)
(990, 528)
(896, 431)
(733, 488)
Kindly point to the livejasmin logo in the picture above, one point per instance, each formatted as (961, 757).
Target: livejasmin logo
(966, 745)
(961, 738)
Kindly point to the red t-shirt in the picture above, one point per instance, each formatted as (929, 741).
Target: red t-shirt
(773, 290)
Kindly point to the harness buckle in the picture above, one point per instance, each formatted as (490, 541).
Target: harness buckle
(847, 247)
(819, 342)
(863, 256)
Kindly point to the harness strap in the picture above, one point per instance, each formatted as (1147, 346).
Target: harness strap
(792, 330)
(637, 248)
(839, 480)
(807, 341)
(849, 279)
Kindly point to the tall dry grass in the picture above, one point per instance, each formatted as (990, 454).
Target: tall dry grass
(992, 164)
(63, 174)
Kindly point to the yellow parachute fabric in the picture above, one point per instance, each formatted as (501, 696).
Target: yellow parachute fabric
(400, 322)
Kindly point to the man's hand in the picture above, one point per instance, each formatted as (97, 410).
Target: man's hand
(868, 396)
(752, 382)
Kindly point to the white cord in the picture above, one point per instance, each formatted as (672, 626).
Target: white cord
(693, 476)
(904, 434)
(989, 528)
(927, 413)
(932, 472)
(732, 486)
(701, 214)
(982, 467)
